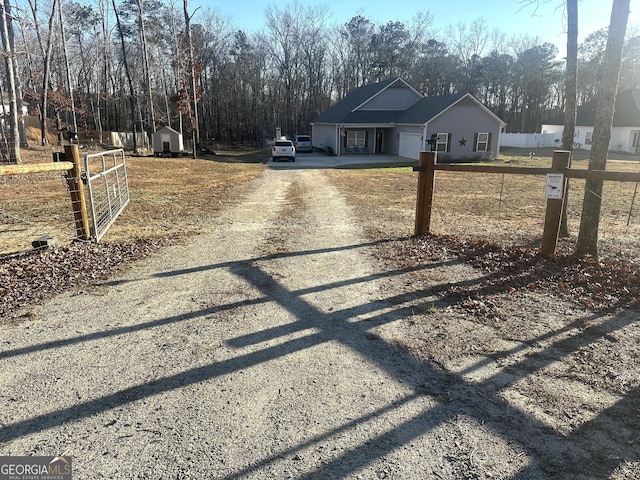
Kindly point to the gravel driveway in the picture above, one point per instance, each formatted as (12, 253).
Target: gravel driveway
(259, 350)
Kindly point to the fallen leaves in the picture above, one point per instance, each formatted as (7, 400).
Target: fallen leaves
(596, 284)
(32, 277)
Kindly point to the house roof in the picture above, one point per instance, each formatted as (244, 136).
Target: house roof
(428, 108)
(423, 110)
(338, 112)
(626, 112)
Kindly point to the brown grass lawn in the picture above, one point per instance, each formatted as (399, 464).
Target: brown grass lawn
(170, 197)
(507, 209)
(175, 197)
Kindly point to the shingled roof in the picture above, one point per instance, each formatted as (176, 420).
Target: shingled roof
(341, 110)
(626, 112)
(344, 111)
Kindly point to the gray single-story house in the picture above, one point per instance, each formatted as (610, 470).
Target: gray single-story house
(392, 117)
(625, 132)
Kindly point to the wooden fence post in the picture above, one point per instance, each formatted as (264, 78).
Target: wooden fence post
(553, 215)
(425, 192)
(76, 190)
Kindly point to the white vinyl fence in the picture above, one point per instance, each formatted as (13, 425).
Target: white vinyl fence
(530, 140)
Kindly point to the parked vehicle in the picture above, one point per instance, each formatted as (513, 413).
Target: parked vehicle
(303, 143)
(283, 148)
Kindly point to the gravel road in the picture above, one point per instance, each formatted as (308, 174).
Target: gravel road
(259, 350)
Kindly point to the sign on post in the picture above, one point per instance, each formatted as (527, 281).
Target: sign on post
(555, 185)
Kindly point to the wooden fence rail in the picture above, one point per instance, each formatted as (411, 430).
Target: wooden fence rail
(560, 165)
(34, 168)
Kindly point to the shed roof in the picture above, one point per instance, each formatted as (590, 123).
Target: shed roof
(167, 130)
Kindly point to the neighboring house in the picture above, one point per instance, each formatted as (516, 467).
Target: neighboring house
(391, 117)
(625, 133)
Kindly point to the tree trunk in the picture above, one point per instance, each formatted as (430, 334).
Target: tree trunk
(132, 96)
(588, 236)
(102, 78)
(46, 74)
(22, 130)
(13, 151)
(571, 80)
(146, 69)
(192, 78)
(68, 70)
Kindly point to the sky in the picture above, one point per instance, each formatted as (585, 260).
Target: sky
(514, 17)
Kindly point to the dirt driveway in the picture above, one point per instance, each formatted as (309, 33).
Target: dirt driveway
(271, 348)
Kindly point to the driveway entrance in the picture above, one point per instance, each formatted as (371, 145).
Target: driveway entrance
(321, 160)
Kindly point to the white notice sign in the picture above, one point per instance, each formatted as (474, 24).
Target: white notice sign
(555, 183)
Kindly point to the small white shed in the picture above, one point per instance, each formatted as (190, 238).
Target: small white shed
(167, 141)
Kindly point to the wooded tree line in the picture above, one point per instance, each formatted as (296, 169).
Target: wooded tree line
(125, 66)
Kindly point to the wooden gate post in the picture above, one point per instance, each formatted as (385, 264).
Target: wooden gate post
(76, 190)
(425, 192)
(553, 215)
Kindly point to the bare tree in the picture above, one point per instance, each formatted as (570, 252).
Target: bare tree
(67, 69)
(313, 47)
(353, 54)
(588, 236)
(13, 152)
(285, 27)
(238, 87)
(571, 75)
(47, 52)
(193, 81)
(46, 80)
(145, 64)
(132, 95)
(571, 85)
(18, 82)
(469, 44)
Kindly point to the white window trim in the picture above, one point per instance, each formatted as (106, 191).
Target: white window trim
(356, 138)
(485, 142)
(442, 142)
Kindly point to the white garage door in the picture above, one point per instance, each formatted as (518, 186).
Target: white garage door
(410, 145)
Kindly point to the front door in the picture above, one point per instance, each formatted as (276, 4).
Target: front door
(379, 141)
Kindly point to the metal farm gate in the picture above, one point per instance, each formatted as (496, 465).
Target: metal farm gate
(106, 176)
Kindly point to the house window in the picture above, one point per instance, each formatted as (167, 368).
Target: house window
(587, 138)
(442, 143)
(356, 138)
(482, 144)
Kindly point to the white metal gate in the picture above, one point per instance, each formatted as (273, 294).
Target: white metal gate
(106, 176)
